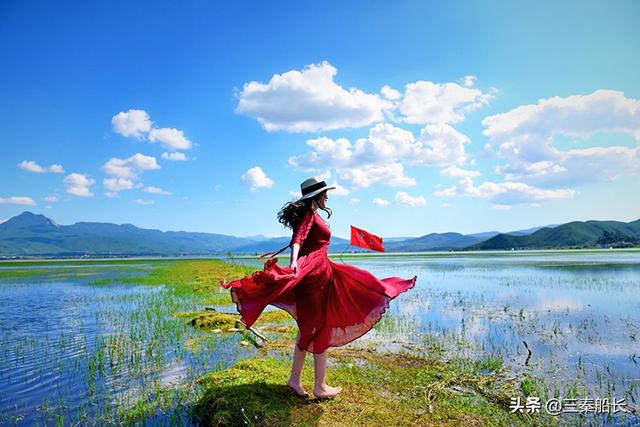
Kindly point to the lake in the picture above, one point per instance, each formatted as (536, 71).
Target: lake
(79, 344)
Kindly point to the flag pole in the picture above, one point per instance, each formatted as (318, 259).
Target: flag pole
(340, 256)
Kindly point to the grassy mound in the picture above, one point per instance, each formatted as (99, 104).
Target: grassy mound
(378, 389)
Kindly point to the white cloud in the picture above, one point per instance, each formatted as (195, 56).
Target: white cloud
(405, 199)
(131, 166)
(339, 190)
(390, 93)
(31, 166)
(390, 174)
(326, 153)
(468, 81)
(51, 199)
(380, 202)
(142, 202)
(381, 155)
(504, 193)
(255, 178)
(323, 176)
(117, 184)
(309, 101)
(442, 145)
(171, 138)
(525, 136)
(78, 185)
(132, 123)
(354, 200)
(56, 168)
(17, 200)
(454, 171)
(156, 190)
(175, 156)
(428, 102)
(445, 205)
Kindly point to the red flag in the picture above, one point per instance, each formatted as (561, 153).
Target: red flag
(366, 240)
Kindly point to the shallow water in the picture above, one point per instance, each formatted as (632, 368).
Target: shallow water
(72, 350)
(78, 350)
(578, 313)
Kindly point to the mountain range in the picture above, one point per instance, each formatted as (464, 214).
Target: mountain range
(35, 235)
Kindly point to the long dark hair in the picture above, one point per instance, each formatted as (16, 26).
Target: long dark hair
(292, 212)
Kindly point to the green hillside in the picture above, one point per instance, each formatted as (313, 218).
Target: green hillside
(577, 234)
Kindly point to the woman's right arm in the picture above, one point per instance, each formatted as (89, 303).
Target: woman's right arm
(295, 249)
(300, 233)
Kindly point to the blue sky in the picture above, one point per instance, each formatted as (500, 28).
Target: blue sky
(430, 116)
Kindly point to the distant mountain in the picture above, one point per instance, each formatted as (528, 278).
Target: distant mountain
(36, 235)
(484, 235)
(530, 230)
(31, 235)
(577, 234)
(336, 245)
(445, 241)
(432, 242)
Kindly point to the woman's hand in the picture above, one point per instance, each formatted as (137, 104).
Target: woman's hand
(295, 249)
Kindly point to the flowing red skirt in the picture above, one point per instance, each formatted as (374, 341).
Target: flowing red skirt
(332, 303)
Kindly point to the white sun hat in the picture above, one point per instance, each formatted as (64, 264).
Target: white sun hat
(312, 187)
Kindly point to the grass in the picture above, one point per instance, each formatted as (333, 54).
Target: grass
(383, 389)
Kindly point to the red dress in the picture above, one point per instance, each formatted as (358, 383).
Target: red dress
(333, 304)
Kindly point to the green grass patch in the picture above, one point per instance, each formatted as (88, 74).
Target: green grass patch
(378, 389)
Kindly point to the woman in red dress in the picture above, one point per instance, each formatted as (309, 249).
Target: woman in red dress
(332, 303)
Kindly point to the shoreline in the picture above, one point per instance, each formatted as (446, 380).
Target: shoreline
(426, 254)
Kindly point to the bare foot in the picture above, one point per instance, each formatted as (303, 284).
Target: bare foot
(326, 391)
(297, 388)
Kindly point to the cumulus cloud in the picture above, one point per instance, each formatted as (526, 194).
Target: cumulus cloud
(390, 93)
(133, 123)
(170, 138)
(175, 156)
(505, 193)
(51, 199)
(17, 200)
(381, 156)
(339, 190)
(404, 198)
(78, 185)
(456, 172)
(354, 200)
(468, 81)
(131, 166)
(117, 184)
(391, 174)
(308, 101)
(428, 102)
(525, 136)
(156, 190)
(380, 202)
(255, 178)
(31, 166)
